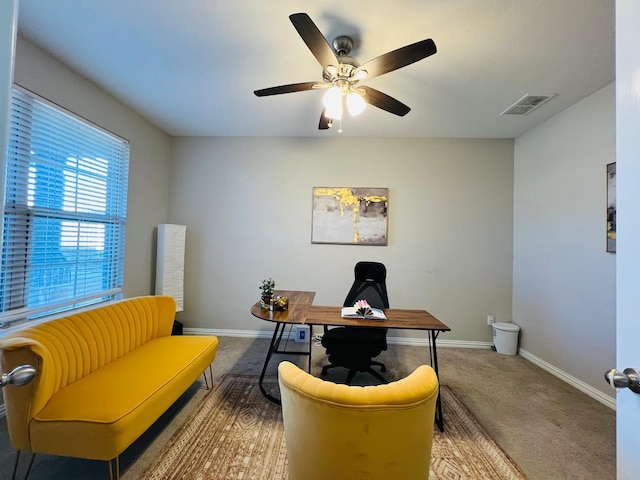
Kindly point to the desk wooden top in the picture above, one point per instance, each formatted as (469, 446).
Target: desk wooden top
(299, 303)
(302, 311)
(396, 318)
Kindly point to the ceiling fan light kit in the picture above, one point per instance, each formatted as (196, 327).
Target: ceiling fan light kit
(333, 102)
(341, 73)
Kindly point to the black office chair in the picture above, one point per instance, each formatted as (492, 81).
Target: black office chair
(355, 347)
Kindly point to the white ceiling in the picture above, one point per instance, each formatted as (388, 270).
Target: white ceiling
(191, 66)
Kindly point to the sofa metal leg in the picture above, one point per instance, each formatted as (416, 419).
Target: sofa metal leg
(204, 374)
(17, 462)
(15, 465)
(114, 475)
(33, 457)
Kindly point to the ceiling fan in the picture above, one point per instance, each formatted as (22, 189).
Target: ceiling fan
(342, 74)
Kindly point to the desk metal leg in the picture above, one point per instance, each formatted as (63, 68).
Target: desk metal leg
(310, 347)
(273, 346)
(433, 335)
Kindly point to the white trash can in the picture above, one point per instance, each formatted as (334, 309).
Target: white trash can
(505, 337)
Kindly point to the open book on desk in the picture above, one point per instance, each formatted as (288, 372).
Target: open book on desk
(370, 313)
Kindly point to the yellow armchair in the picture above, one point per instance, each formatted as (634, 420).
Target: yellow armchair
(338, 432)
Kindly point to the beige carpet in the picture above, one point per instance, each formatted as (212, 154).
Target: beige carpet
(235, 433)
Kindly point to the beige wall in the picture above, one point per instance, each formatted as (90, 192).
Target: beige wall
(150, 153)
(246, 203)
(564, 281)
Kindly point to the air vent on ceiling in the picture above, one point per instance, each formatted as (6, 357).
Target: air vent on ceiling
(528, 103)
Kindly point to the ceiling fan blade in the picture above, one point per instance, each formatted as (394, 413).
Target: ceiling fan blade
(314, 39)
(291, 88)
(325, 122)
(385, 102)
(397, 58)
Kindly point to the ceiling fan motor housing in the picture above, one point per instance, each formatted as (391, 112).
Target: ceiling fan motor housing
(341, 75)
(342, 45)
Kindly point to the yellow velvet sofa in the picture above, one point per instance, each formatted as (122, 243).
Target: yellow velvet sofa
(103, 377)
(337, 432)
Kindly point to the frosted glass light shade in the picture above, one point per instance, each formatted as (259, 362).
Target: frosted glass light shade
(332, 102)
(334, 112)
(332, 98)
(355, 104)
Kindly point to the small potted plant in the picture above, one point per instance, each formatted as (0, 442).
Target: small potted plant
(266, 294)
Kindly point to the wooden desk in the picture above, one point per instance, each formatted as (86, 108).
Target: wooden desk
(396, 318)
(301, 311)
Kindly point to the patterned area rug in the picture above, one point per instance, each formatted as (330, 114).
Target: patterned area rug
(236, 434)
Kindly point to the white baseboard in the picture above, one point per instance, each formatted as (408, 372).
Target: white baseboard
(441, 343)
(573, 381)
(564, 376)
(229, 333)
(390, 339)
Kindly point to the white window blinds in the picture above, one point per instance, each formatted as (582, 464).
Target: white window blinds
(65, 204)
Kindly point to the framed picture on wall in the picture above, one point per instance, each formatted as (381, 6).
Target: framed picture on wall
(611, 207)
(349, 215)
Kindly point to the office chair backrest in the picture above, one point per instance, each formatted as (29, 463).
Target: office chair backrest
(369, 284)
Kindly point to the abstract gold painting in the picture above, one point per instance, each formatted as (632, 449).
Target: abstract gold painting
(350, 215)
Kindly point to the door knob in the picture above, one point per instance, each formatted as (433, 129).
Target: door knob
(629, 378)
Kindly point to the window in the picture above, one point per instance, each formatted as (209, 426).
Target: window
(65, 204)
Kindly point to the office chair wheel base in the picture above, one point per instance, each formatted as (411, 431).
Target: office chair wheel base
(383, 367)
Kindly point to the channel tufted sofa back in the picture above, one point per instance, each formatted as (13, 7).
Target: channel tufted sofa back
(67, 349)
